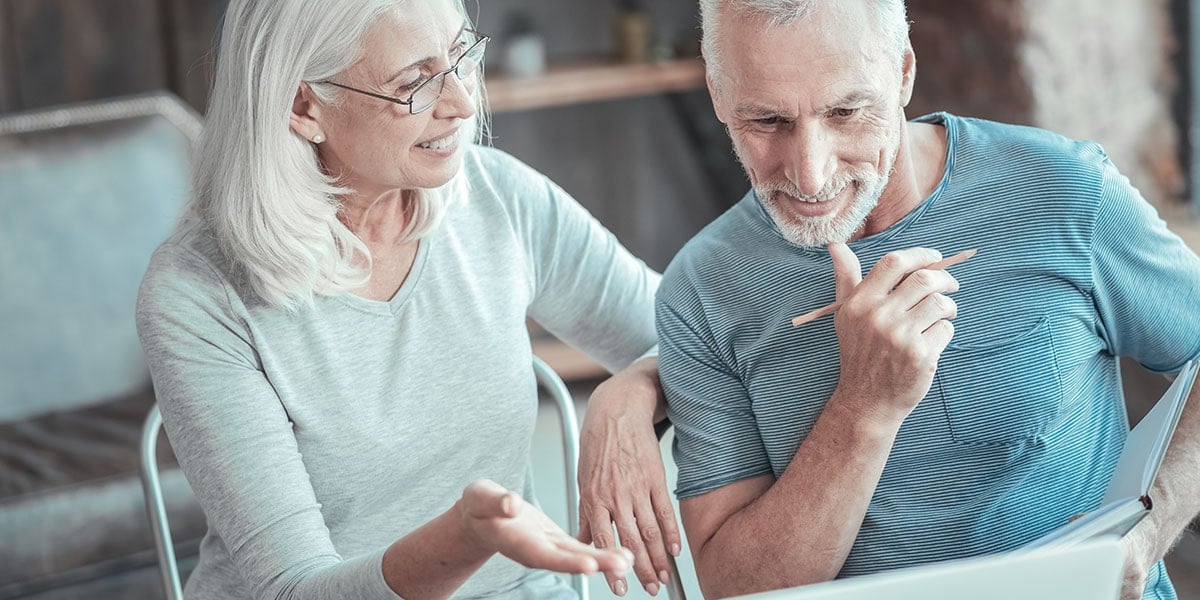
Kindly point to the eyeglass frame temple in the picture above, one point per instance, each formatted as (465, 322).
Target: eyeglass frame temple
(483, 38)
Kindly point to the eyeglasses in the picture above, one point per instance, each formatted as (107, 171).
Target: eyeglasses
(427, 94)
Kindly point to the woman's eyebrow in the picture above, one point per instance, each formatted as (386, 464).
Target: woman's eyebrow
(427, 59)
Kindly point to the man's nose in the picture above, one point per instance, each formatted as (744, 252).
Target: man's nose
(812, 162)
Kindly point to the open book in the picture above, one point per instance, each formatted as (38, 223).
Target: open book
(1127, 499)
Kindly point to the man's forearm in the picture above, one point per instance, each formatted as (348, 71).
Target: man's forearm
(1176, 491)
(802, 528)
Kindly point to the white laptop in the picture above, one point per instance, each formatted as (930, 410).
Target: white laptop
(1088, 571)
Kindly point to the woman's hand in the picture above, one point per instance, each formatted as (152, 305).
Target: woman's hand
(501, 521)
(621, 475)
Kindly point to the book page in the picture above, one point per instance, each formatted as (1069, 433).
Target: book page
(1112, 519)
(1122, 507)
(1147, 443)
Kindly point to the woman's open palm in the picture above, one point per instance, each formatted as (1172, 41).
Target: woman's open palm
(505, 523)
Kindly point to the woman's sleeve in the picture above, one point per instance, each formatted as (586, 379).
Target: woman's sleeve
(234, 440)
(589, 291)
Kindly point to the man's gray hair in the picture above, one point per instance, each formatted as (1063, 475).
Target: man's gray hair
(258, 185)
(891, 14)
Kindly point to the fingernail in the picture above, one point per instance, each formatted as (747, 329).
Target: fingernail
(620, 588)
(664, 576)
(675, 550)
(652, 589)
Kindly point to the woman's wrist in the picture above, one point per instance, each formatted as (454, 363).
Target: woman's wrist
(436, 558)
(636, 390)
(650, 385)
(469, 540)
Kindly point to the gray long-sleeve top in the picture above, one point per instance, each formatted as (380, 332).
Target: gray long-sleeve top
(315, 440)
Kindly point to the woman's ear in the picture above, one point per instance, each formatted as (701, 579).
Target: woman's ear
(305, 117)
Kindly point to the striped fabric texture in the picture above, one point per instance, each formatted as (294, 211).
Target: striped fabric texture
(1024, 421)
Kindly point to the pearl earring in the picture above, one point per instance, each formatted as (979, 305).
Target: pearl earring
(318, 139)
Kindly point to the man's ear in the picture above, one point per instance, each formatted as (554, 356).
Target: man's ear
(908, 75)
(712, 87)
(305, 118)
(712, 95)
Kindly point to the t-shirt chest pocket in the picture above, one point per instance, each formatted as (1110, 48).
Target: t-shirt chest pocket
(1002, 391)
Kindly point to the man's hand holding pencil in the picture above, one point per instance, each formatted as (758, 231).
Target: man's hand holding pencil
(892, 326)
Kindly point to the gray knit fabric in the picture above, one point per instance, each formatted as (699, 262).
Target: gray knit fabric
(315, 440)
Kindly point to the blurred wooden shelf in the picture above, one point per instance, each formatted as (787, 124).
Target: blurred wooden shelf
(582, 83)
(569, 363)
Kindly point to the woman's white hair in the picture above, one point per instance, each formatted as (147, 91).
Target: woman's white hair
(259, 185)
(892, 20)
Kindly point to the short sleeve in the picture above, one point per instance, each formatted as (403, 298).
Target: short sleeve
(717, 441)
(1146, 281)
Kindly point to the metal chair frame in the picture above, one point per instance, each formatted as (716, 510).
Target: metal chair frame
(156, 508)
(168, 567)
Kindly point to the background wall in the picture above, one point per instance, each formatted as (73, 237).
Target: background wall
(1107, 71)
(656, 168)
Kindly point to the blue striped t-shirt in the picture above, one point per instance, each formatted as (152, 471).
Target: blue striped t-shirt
(1025, 419)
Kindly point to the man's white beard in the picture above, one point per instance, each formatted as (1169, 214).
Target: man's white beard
(825, 229)
(837, 227)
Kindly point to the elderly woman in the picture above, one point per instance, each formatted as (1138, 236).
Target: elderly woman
(336, 332)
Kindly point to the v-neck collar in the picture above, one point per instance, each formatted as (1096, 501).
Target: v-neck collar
(396, 303)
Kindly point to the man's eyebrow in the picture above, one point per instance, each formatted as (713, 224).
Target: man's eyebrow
(755, 111)
(424, 61)
(855, 97)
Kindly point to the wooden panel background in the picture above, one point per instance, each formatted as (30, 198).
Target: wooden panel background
(58, 51)
(195, 26)
(75, 50)
(8, 89)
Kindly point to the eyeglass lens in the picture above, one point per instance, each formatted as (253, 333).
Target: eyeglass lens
(465, 70)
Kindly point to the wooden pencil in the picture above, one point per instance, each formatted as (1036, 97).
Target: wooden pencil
(832, 308)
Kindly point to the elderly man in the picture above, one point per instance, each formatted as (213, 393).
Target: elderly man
(887, 436)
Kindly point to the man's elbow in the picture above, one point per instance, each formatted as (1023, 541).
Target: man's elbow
(749, 571)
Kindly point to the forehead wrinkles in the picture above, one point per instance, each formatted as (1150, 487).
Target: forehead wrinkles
(794, 91)
(810, 80)
(400, 38)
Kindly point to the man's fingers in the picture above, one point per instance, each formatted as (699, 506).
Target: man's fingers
(939, 334)
(895, 266)
(918, 286)
(600, 527)
(585, 530)
(933, 308)
(847, 271)
(664, 511)
(652, 539)
(631, 539)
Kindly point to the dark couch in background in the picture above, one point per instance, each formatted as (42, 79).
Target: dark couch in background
(86, 194)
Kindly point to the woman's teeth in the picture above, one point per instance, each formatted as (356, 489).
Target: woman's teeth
(441, 144)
